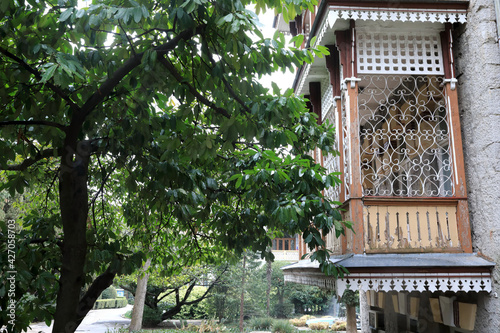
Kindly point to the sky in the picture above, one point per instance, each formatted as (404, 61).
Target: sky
(283, 80)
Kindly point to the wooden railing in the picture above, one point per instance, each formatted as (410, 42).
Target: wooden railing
(415, 228)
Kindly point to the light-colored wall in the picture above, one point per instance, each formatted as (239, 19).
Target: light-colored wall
(477, 55)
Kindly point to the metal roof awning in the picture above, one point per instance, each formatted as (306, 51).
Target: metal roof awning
(399, 272)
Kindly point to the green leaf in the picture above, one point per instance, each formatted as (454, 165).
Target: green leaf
(80, 13)
(228, 18)
(276, 89)
(238, 182)
(313, 41)
(309, 238)
(137, 12)
(66, 14)
(211, 184)
(49, 73)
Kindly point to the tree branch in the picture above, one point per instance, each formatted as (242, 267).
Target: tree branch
(30, 161)
(128, 39)
(107, 87)
(171, 68)
(100, 283)
(38, 76)
(228, 86)
(33, 122)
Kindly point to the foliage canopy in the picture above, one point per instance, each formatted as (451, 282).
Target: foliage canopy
(141, 125)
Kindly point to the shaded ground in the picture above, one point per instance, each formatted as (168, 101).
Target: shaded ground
(105, 320)
(96, 321)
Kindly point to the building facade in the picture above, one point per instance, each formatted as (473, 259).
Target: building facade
(413, 89)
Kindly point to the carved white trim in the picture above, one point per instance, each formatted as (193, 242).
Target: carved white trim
(397, 14)
(303, 77)
(421, 282)
(386, 14)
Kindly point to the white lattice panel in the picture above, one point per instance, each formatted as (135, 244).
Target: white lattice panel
(326, 98)
(399, 53)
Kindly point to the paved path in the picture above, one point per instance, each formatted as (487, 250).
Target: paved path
(96, 321)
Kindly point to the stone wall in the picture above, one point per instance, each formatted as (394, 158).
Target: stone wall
(477, 55)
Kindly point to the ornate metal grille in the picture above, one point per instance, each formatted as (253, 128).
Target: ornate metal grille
(404, 136)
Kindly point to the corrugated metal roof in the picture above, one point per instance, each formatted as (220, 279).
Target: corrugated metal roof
(413, 260)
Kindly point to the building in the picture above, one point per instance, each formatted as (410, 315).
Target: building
(413, 88)
(286, 248)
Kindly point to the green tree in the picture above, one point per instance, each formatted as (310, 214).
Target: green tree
(134, 102)
(176, 290)
(310, 299)
(225, 298)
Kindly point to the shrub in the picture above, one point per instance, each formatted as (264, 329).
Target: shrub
(298, 322)
(282, 326)
(128, 314)
(339, 326)
(109, 293)
(318, 326)
(261, 323)
(210, 326)
(151, 317)
(307, 317)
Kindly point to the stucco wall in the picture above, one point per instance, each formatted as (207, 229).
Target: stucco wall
(477, 55)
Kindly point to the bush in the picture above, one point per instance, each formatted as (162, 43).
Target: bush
(282, 326)
(261, 324)
(318, 326)
(298, 322)
(109, 293)
(307, 317)
(151, 317)
(339, 326)
(209, 326)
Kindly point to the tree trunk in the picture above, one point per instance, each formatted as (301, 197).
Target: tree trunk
(269, 272)
(351, 319)
(73, 198)
(140, 297)
(242, 300)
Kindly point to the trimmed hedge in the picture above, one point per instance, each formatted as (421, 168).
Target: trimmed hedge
(119, 302)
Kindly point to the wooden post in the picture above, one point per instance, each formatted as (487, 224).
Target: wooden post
(463, 223)
(347, 46)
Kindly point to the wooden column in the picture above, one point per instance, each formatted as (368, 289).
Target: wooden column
(315, 100)
(464, 230)
(463, 222)
(347, 46)
(333, 66)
